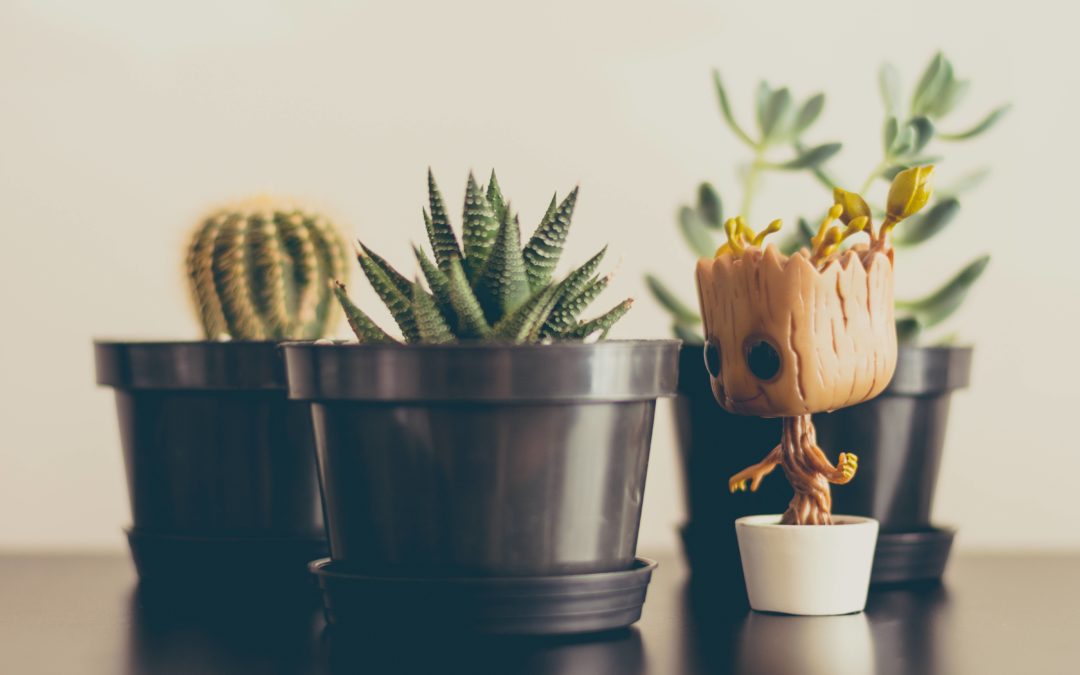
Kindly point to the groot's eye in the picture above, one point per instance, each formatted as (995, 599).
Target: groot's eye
(762, 359)
(712, 358)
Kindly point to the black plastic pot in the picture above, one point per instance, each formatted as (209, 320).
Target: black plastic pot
(899, 438)
(482, 461)
(220, 464)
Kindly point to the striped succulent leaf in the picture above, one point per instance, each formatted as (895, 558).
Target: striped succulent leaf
(430, 324)
(601, 324)
(366, 330)
(399, 304)
(545, 247)
(479, 229)
(503, 286)
(443, 240)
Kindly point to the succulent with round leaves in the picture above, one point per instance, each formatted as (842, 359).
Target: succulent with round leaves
(488, 287)
(262, 272)
(907, 140)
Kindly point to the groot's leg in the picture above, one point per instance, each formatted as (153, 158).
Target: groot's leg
(755, 473)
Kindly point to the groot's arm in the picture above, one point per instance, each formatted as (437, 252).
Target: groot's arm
(842, 473)
(755, 473)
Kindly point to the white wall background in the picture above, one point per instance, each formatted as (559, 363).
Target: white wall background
(120, 122)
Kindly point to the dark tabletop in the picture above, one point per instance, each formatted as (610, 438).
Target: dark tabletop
(993, 614)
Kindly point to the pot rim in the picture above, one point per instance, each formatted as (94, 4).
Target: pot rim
(190, 365)
(602, 371)
(772, 522)
(642, 566)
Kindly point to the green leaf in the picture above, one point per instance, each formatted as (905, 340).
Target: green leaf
(808, 114)
(430, 323)
(525, 322)
(601, 324)
(439, 285)
(395, 277)
(983, 126)
(670, 302)
(889, 85)
(545, 247)
(812, 157)
(725, 109)
(939, 305)
(479, 228)
(399, 304)
(471, 321)
(774, 117)
(689, 336)
(710, 207)
(907, 330)
(924, 131)
(576, 281)
(935, 79)
(889, 133)
(566, 311)
(440, 233)
(697, 236)
(948, 101)
(923, 226)
(964, 183)
(366, 330)
(903, 142)
(503, 286)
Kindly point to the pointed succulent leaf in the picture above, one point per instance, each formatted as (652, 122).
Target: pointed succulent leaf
(601, 324)
(366, 330)
(438, 283)
(566, 311)
(478, 230)
(923, 226)
(710, 207)
(983, 126)
(939, 305)
(443, 240)
(529, 317)
(470, 315)
(495, 197)
(577, 280)
(697, 236)
(395, 277)
(430, 323)
(542, 253)
(725, 110)
(671, 302)
(399, 304)
(504, 285)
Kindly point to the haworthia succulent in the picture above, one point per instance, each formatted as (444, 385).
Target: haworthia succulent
(479, 229)
(366, 330)
(399, 304)
(545, 247)
(503, 286)
(443, 240)
(430, 324)
(493, 300)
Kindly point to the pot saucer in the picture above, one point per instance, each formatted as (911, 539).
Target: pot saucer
(179, 564)
(554, 605)
(919, 555)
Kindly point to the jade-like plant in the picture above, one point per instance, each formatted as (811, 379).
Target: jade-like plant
(488, 286)
(261, 272)
(909, 134)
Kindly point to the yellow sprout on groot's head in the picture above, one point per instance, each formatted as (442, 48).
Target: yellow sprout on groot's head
(789, 336)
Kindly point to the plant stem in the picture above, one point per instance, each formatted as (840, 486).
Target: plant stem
(752, 178)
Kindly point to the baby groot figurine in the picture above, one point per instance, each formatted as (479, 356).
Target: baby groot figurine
(813, 332)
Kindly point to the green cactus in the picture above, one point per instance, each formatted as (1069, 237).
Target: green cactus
(258, 272)
(488, 287)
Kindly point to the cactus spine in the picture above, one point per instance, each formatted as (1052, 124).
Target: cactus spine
(258, 272)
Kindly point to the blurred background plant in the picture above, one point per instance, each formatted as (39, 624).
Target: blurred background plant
(910, 137)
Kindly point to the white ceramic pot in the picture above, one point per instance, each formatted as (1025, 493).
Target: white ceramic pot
(807, 569)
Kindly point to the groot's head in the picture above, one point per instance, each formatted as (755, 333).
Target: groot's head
(784, 338)
(813, 332)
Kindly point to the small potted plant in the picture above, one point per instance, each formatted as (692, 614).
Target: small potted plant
(486, 470)
(220, 464)
(789, 336)
(902, 432)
